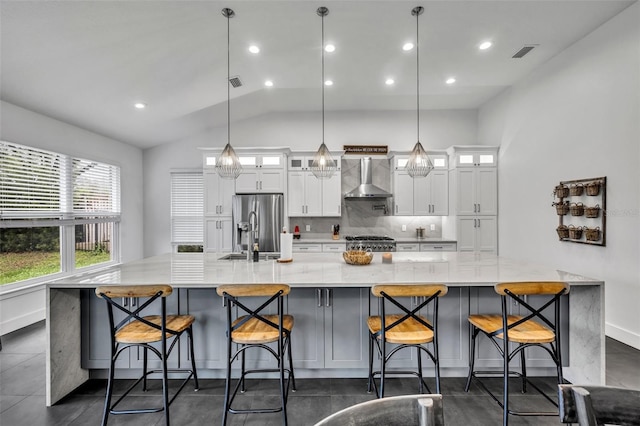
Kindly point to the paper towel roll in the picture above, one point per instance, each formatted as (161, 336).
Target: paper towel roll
(286, 246)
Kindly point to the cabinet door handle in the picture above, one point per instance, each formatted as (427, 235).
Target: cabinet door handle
(478, 208)
(260, 183)
(327, 301)
(134, 301)
(125, 301)
(478, 223)
(256, 185)
(319, 294)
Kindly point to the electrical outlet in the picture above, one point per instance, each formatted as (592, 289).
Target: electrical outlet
(308, 228)
(404, 228)
(433, 227)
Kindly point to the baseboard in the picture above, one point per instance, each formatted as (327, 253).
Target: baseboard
(17, 323)
(625, 336)
(21, 308)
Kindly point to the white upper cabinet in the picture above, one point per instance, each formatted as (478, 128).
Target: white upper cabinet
(428, 196)
(218, 194)
(309, 196)
(477, 192)
(475, 158)
(261, 173)
(475, 180)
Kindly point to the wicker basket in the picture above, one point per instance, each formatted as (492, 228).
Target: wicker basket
(357, 257)
(576, 189)
(575, 233)
(563, 231)
(592, 212)
(592, 234)
(593, 188)
(561, 191)
(577, 209)
(562, 208)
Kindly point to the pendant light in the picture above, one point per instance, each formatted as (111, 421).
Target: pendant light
(323, 164)
(228, 164)
(419, 164)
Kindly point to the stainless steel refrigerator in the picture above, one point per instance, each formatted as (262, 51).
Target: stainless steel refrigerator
(269, 211)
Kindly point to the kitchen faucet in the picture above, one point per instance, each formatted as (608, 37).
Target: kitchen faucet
(254, 232)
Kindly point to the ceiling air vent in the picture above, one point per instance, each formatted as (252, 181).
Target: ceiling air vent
(235, 81)
(526, 49)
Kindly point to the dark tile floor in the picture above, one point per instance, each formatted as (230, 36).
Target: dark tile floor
(22, 370)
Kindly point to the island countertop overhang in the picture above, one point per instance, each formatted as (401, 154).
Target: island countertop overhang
(196, 270)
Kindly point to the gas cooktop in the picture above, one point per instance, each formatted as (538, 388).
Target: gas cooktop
(370, 242)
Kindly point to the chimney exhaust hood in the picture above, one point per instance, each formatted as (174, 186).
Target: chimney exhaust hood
(366, 189)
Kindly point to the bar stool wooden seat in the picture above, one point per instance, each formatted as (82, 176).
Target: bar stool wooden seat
(133, 330)
(410, 329)
(256, 328)
(532, 328)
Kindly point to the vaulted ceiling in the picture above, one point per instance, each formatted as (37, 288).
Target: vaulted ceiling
(88, 62)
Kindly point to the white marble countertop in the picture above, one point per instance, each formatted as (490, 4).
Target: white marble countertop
(191, 270)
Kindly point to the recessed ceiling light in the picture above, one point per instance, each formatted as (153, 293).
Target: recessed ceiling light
(140, 105)
(389, 81)
(485, 45)
(328, 83)
(254, 49)
(268, 83)
(329, 48)
(407, 46)
(450, 80)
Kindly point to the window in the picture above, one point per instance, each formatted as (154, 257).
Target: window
(187, 211)
(57, 214)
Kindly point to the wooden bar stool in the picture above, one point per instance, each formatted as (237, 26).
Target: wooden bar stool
(254, 328)
(137, 331)
(533, 328)
(410, 329)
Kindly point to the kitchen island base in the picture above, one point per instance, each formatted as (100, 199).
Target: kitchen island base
(330, 334)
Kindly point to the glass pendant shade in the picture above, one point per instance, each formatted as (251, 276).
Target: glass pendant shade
(228, 164)
(419, 165)
(323, 164)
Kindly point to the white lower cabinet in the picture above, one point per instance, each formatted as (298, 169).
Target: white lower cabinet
(438, 247)
(334, 247)
(330, 327)
(407, 247)
(218, 234)
(307, 248)
(477, 234)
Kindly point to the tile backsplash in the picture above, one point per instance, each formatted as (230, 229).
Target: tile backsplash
(366, 216)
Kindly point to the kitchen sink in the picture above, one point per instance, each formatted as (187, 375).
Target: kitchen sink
(243, 256)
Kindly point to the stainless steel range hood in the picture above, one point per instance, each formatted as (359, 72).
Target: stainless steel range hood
(366, 189)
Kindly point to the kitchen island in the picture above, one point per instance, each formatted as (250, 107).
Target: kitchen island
(327, 295)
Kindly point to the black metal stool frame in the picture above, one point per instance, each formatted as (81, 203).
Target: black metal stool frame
(554, 351)
(283, 345)
(385, 357)
(163, 355)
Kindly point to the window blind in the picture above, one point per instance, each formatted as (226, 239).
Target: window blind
(29, 182)
(95, 188)
(187, 211)
(38, 183)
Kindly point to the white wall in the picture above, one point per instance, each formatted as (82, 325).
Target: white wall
(25, 127)
(577, 116)
(298, 131)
